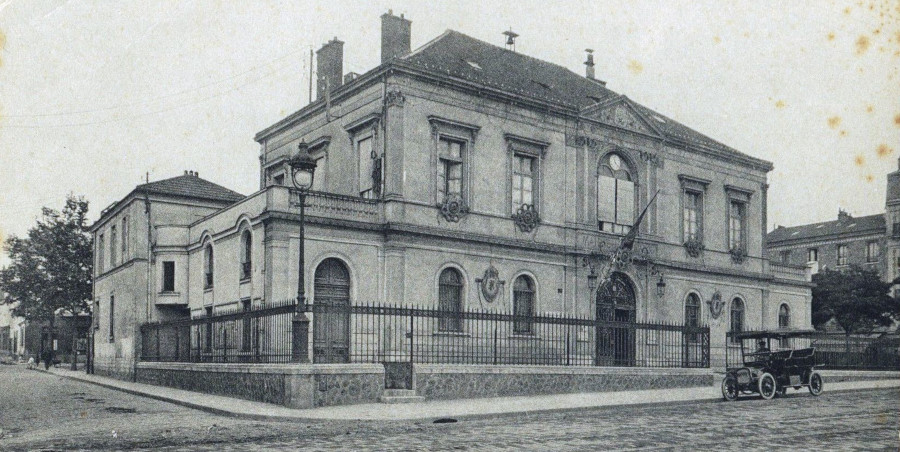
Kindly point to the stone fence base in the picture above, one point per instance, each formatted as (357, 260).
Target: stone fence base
(291, 385)
(315, 385)
(436, 381)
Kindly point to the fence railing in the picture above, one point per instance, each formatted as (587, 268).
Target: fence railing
(372, 333)
(833, 350)
(240, 335)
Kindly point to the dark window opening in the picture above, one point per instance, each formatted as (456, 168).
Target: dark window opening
(168, 276)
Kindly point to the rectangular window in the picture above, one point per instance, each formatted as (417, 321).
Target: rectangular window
(124, 238)
(786, 257)
(842, 255)
(872, 251)
(523, 181)
(693, 216)
(112, 317)
(812, 255)
(736, 225)
(101, 254)
(168, 276)
(450, 168)
(112, 247)
(366, 166)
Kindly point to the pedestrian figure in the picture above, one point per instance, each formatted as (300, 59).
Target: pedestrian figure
(30, 362)
(48, 359)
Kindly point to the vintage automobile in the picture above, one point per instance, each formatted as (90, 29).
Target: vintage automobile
(767, 371)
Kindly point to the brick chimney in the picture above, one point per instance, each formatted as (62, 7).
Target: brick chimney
(330, 67)
(843, 215)
(395, 36)
(589, 64)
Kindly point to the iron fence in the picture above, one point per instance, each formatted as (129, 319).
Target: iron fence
(242, 334)
(374, 333)
(832, 350)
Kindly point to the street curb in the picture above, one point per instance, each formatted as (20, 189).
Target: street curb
(279, 418)
(175, 401)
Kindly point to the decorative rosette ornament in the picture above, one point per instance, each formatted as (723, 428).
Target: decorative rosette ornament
(737, 255)
(526, 218)
(694, 247)
(453, 208)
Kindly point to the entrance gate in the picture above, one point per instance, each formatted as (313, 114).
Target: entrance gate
(331, 313)
(615, 333)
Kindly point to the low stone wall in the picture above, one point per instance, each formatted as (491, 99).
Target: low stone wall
(835, 376)
(291, 385)
(455, 381)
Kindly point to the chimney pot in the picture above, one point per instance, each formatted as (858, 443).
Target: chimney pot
(395, 36)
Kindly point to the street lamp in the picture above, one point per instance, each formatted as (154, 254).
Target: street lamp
(303, 170)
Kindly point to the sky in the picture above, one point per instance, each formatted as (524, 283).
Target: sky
(95, 97)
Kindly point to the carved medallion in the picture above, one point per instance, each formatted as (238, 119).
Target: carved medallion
(694, 247)
(394, 98)
(716, 305)
(526, 218)
(453, 208)
(490, 284)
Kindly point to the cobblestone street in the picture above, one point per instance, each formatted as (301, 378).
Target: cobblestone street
(40, 410)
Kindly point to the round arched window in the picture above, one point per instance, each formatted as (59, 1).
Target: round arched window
(615, 195)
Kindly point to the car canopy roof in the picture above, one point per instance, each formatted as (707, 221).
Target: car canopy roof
(777, 333)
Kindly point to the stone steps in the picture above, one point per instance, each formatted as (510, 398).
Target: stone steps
(400, 396)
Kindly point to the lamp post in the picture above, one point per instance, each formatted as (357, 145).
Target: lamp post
(303, 169)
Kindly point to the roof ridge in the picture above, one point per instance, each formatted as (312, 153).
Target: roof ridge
(451, 31)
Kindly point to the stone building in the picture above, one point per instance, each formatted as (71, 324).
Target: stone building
(131, 284)
(444, 167)
(871, 241)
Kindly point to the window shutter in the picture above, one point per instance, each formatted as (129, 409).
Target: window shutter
(365, 165)
(625, 203)
(606, 199)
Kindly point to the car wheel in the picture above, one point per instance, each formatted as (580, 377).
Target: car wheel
(816, 385)
(729, 389)
(767, 386)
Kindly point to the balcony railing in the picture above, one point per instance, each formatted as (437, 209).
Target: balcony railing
(789, 271)
(331, 205)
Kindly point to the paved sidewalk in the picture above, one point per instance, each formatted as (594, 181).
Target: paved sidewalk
(430, 409)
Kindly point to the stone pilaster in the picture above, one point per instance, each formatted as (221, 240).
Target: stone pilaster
(393, 147)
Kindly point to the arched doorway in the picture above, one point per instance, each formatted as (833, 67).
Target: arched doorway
(331, 313)
(616, 305)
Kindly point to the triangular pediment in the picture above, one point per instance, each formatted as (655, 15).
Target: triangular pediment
(620, 113)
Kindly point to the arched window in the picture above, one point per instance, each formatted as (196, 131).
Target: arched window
(737, 317)
(784, 316)
(523, 304)
(692, 311)
(450, 289)
(246, 254)
(208, 266)
(615, 195)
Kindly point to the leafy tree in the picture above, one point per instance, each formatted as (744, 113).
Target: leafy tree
(51, 269)
(856, 298)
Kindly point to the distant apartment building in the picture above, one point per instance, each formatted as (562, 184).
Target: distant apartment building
(871, 241)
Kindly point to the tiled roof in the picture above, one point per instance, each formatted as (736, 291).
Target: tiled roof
(457, 55)
(191, 186)
(849, 225)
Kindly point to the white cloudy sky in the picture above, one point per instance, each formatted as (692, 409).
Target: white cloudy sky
(94, 95)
